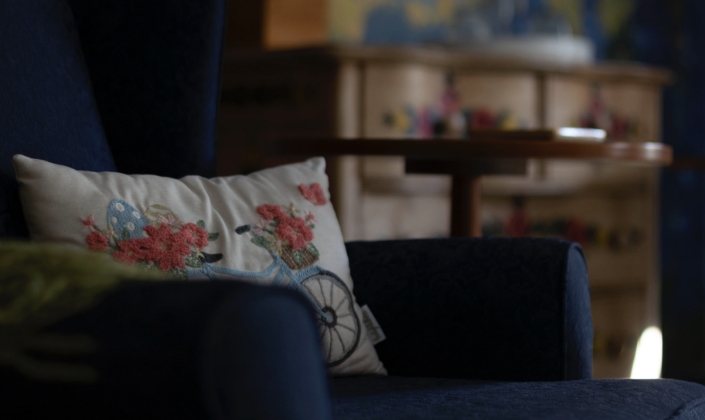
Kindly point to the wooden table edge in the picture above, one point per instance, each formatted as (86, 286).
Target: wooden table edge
(652, 153)
(465, 192)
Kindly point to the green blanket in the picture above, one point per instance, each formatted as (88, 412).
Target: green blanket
(41, 284)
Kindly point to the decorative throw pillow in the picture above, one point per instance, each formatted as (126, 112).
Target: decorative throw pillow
(274, 226)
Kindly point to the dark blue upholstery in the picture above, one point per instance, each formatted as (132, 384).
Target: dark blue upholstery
(48, 107)
(155, 67)
(500, 309)
(429, 398)
(462, 309)
(186, 351)
(150, 67)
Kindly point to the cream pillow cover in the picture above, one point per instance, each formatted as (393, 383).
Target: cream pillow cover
(275, 226)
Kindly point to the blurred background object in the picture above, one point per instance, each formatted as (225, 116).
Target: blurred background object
(546, 63)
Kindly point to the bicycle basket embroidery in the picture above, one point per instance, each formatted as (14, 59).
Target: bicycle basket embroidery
(284, 233)
(155, 238)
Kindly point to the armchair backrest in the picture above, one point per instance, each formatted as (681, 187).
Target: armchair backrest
(127, 85)
(155, 68)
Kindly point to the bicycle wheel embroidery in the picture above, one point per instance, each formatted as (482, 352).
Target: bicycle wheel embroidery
(338, 323)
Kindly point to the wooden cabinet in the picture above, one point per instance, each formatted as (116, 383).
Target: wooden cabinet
(395, 93)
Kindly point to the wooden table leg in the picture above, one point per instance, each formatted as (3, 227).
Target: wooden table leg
(465, 206)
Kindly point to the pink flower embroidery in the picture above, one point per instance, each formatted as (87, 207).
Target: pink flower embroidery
(96, 241)
(294, 232)
(287, 233)
(270, 212)
(165, 242)
(313, 193)
(128, 252)
(162, 247)
(193, 235)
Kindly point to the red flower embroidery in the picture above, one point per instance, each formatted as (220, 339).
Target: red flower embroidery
(165, 243)
(313, 193)
(194, 235)
(127, 252)
(162, 247)
(284, 232)
(166, 249)
(96, 241)
(270, 212)
(294, 232)
(289, 230)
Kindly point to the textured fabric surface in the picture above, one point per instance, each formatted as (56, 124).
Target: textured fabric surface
(155, 67)
(500, 309)
(48, 109)
(272, 226)
(183, 350)
(428, 398)
(578, 327)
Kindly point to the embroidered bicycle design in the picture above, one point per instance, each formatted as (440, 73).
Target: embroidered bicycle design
(157, 238)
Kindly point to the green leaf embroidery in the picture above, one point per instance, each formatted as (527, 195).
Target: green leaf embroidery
(313, 250)
(194, 261)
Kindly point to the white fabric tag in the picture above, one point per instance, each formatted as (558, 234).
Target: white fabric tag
(374, 331)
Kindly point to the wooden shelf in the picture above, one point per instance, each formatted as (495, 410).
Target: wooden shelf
(470, 150)
(449, 58)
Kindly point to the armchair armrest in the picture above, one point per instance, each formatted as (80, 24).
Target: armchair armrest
(495, 309)
(184, 350)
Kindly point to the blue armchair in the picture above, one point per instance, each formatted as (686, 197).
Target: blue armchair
(476, 328)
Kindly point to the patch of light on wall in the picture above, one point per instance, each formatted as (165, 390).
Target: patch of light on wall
(649, 353)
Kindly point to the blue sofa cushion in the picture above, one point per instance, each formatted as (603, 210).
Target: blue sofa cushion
(427, 398)
(47, 104)
(495, 309)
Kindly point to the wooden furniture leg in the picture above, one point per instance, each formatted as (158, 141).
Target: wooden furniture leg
(465, 206)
